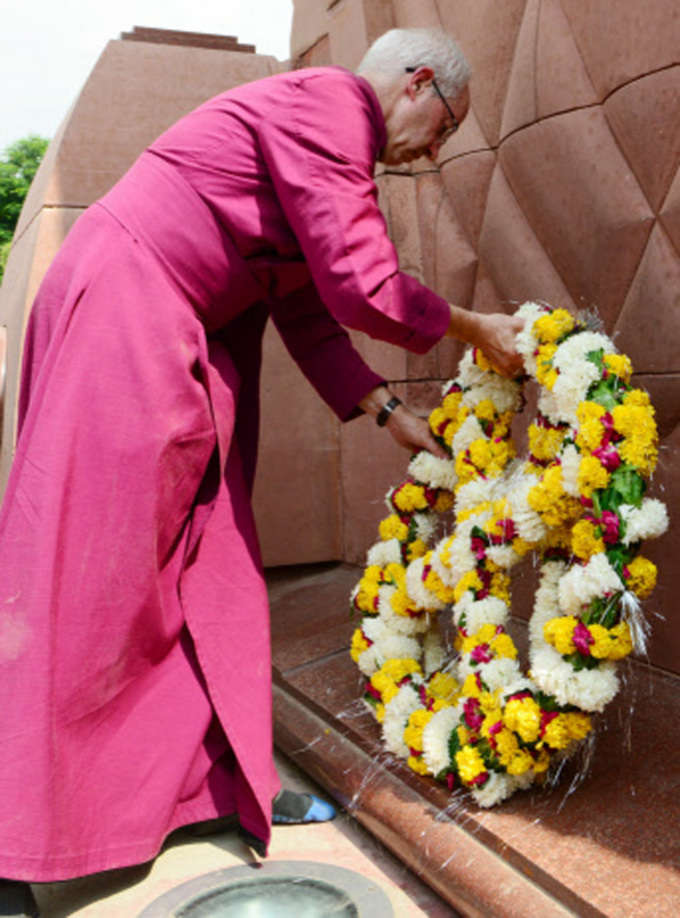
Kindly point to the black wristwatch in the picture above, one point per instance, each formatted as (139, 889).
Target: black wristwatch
(386, 411)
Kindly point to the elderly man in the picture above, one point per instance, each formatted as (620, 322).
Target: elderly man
(134, 648)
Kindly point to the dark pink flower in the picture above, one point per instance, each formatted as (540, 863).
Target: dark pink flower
(610, 524)
(582, 639)
(471, 714)
(481, 654)
(450, 780)
(608, 456)
(478, 547)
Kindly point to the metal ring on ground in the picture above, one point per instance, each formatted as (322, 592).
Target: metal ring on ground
(280, 889)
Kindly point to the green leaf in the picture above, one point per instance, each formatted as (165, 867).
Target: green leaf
(629, 484)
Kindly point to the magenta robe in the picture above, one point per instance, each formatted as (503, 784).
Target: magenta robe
(134, 639)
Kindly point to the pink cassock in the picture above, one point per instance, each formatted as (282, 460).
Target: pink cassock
(135, 683)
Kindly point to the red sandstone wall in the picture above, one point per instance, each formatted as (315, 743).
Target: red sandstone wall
(563, 185)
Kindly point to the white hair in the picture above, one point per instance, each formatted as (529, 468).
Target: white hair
(398, 49)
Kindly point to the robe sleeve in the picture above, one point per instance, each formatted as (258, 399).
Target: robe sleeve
(323, 351)
(320, 151)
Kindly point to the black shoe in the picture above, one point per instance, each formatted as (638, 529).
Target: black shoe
(16, 900)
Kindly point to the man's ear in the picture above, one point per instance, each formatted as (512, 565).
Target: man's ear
(419, 80)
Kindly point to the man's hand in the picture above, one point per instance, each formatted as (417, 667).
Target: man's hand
(413, 432)
(494, 334)
(409, 430)
(497, 340)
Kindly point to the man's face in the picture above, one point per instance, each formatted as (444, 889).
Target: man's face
(419, 122)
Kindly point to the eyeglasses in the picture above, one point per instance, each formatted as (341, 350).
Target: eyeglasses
(455, 123)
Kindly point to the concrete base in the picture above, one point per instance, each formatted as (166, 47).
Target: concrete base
(606, 846)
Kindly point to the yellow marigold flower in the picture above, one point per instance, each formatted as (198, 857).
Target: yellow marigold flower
(584, 542)
(410, 497)
(392, 528)
(451, 404)
(470, 688)
(507, 746)
(640, 451)
(472, 511)
(417, 763)
(589, 411)
(485, 410)
(437, 417)
(416, 549)
(579, 724)
(442, 686)
(548, 498)
(544, 442)
(523, 716)
(501, 453)
(544, 367)
(413, 732)
(641, 576)
(469, 581)
(359, 645)
(503, 646)
(482, 636)
(398, 669)
(602, 643)
(379, 711)
(557, 734)
(480, 453)
(490, 721)
(502, 425)
(482, 360)
(464, 470)
(520, 763)
(559, 537)
(488, 702)
(542, 763)
(554, 326)
(500, 587)
(434, 583)
(592, 476)
(463, 735)
(630, 419)
(401, 602)
(619, 365)
(559, 632)
(637, 397)
(439, 703)
(445, 551)
(622, 643)
(521, 547)
(470, 764)
(444, 502)
(589, 436)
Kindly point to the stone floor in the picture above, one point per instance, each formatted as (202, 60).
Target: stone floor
(607, 846)
(341, 843)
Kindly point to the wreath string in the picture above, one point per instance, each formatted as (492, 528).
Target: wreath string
(577, 501)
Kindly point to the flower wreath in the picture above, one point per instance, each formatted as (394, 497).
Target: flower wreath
(578, 501)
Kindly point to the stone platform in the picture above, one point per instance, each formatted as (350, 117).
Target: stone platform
(606, 846)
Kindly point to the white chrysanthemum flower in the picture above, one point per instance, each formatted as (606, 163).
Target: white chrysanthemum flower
(384, 553)
(434, 652)
(368, 662)
(528, 523)
(472, 494)
(467, 433)
(433, 471)
(520, 684)
(571, 388)
(436, 735)
(503, 392)
(416, 589)
(570, 459)
(425, 525)
(499, 672)
(546, 600)
(397, 713)
(478, 612)
(397, 647)
(646, 522)
(588, 689)
(504, 556)
(460, 556)
(582, 584)
(469, 373)
(575, 349)
(496, 788)
(548, 406)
